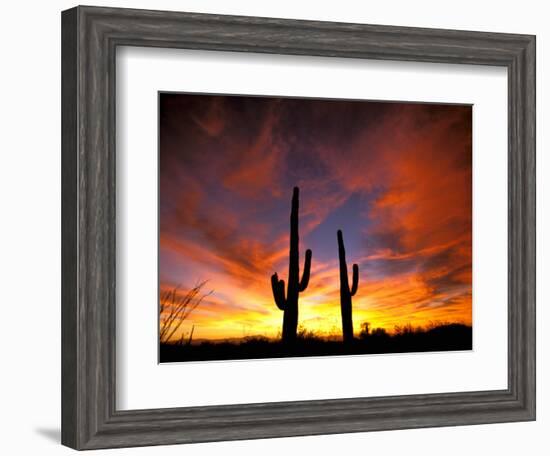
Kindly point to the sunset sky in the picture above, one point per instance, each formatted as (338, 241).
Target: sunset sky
(395, 177)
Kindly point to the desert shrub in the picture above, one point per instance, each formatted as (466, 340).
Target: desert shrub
(365, 330)
(175, 308)
(379, 332)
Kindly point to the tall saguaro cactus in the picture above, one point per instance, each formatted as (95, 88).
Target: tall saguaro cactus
(345, 292)
(289, 304)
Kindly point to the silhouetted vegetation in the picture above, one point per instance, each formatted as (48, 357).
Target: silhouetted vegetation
(345, 292)
(174, 309)
(289, 304)
(404, 339)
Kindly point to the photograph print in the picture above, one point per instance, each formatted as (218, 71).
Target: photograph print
(292, 227)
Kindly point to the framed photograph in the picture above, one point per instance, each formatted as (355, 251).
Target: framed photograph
(279, 228)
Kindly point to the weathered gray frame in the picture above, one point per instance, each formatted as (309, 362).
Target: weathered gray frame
(90, 36)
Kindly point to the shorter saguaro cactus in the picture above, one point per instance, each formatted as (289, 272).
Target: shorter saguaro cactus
(345, 292)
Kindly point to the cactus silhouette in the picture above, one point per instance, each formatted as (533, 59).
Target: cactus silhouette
(289, 304)
(345, 292)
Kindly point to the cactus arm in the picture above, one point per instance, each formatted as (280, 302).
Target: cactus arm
(278, 288)
(355, 280)
(305, 275)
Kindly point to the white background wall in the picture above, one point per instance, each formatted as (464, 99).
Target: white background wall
(30, 226)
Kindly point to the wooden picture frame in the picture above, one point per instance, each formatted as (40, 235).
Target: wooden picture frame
(90, 36)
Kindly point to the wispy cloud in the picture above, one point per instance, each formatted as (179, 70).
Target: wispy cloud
(395, 177)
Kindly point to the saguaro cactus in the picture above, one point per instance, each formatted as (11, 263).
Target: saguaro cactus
(345, 292)
(289, 304)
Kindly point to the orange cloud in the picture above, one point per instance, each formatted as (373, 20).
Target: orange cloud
(395, 177)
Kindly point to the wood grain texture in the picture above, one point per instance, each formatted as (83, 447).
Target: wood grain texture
(69, 229)
(89, 39)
